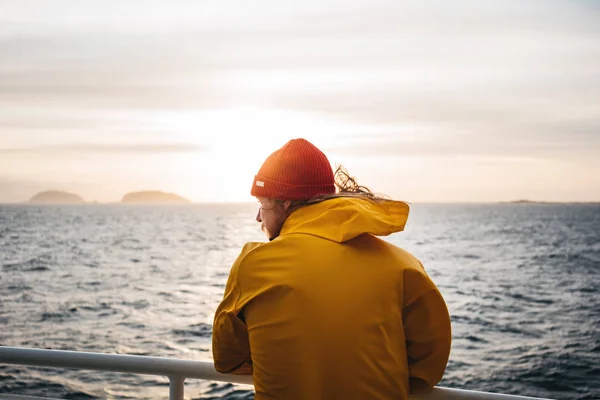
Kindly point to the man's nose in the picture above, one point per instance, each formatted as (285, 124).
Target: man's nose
(258, 218)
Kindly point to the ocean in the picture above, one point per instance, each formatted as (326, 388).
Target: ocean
(521, 281)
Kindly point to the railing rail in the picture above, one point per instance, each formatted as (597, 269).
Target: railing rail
(178, 370)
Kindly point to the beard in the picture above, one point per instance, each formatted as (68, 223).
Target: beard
(271, 236)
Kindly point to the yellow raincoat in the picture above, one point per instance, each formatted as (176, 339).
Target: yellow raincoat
(329, 311)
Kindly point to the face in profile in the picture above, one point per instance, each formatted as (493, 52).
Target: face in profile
(271, 216)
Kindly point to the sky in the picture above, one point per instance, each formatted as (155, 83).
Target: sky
(425, 101)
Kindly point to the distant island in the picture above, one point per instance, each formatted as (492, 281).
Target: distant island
(153, 197)
(56, 197)
(525, 201)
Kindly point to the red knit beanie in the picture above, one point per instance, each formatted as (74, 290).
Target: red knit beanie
(297, 171)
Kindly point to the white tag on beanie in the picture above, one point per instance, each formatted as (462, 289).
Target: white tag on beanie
(260, 183)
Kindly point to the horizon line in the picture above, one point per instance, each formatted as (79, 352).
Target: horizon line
(119, 203)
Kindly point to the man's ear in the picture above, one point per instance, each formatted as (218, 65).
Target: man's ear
(287, 204)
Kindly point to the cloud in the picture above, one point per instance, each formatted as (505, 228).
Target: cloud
(498, 77)
(116, 54)
(472, 146)
(83, 69)
(111, 148)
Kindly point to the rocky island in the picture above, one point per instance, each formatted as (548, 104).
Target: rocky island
(56, 197)
(525, 201)
(153, 197)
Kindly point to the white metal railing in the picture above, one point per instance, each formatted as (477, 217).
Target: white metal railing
(177, 371)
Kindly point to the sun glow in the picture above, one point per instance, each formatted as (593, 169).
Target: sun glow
(236, 141)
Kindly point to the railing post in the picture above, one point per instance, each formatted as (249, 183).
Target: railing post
(176, 387)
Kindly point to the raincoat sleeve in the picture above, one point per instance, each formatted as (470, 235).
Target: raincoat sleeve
(231, 347)
(427, 330)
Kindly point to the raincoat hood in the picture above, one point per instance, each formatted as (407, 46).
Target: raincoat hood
(344, 218)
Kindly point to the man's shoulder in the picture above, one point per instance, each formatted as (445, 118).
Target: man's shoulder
(250, 246)
(402, 258)
(247, 251)
(261, 265)
(254, 250)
